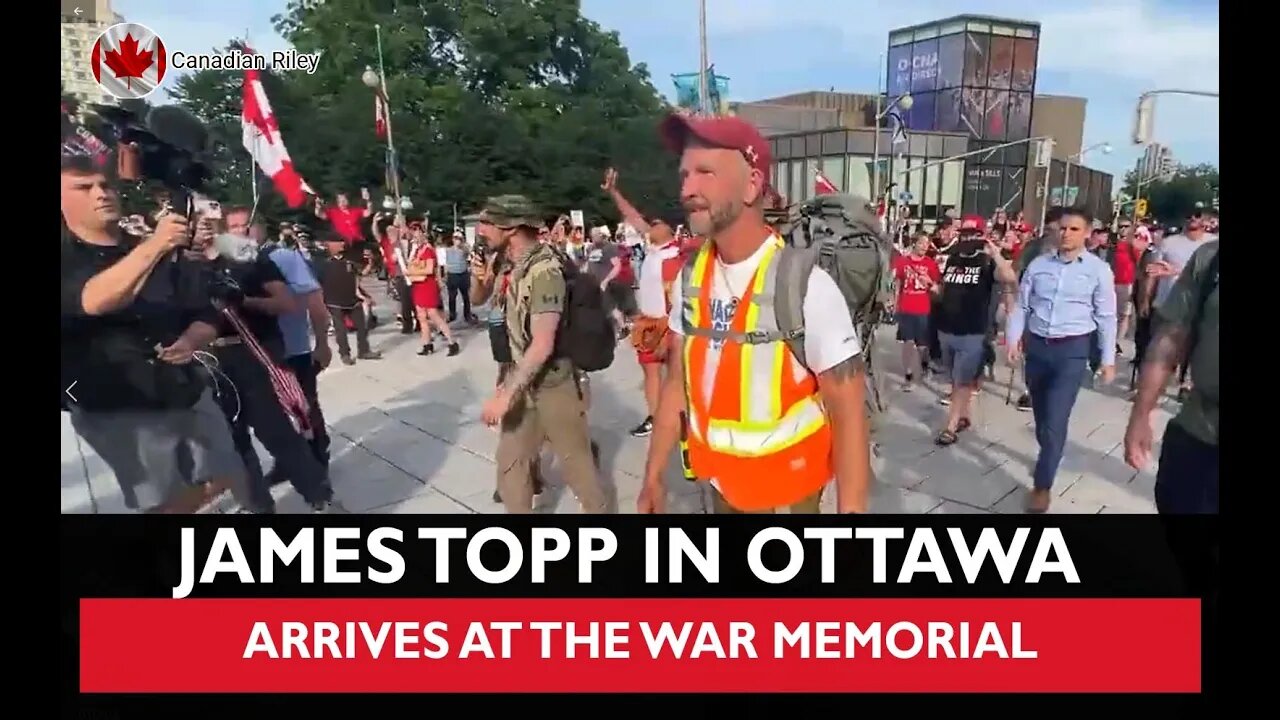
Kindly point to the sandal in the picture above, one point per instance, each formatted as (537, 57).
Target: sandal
(963, 425)
(945, 438)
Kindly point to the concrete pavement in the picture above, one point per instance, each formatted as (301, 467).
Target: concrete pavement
(407, 439)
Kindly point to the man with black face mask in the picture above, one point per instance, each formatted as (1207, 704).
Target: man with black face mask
(963, 317)
(255, 386)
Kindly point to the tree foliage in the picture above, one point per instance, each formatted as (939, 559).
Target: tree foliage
(486, 97)
(1174, 199)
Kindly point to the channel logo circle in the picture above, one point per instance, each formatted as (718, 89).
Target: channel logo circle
(128, 61)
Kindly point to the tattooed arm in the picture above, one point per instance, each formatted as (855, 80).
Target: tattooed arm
(542, 329)
(1163, 356)
(844, 389)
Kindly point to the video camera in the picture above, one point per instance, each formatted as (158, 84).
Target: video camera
(169, 146)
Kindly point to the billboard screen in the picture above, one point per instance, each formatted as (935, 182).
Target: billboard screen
(975, 59)
(1024, 65)
(923, 109)
(973, 112)
(899, 80)
(1019, 127)
(1000, 68)
(924, 66)
(948, 111)
(950, 61)
(997, 106)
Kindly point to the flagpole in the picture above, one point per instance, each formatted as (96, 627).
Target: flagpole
(875, 152)
(386, 108)
(703, 91)
(253, 164)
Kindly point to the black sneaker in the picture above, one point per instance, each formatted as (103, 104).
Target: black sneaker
(454, 349)
(644, 429)
(1024, 403)
(348, 360)
(370, 355)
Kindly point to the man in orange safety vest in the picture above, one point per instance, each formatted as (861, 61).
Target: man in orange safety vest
(768, 432)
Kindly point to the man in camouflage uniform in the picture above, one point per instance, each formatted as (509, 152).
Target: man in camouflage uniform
(541, 398)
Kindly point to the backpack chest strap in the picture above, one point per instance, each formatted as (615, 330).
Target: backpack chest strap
(754, 337)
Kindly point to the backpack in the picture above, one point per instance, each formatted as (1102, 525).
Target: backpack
(586, 336)
(842, 235)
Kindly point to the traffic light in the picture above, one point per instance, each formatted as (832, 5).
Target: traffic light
(1144, 119)
(1140, 209)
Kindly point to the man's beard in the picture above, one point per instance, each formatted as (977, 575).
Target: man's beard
(716, 220)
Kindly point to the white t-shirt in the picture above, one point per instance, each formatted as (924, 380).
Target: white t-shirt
(1175, 250)
(830, 337)
(651, 296)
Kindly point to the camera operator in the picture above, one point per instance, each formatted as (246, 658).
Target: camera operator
(127, 344)
(264, 394)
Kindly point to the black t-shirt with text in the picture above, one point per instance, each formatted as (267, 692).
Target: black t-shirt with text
(964, 306)
(338, 276)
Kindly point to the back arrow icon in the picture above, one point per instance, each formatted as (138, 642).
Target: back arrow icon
(77, 11)
(73, 384)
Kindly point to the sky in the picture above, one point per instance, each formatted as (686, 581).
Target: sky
(1108, 51)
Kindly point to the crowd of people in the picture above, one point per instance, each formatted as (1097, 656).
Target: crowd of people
(187, 333)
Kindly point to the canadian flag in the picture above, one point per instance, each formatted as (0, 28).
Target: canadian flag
(262, 140)
(823, 186)
(380, 116)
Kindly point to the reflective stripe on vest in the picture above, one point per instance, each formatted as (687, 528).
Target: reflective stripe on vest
(750, 400)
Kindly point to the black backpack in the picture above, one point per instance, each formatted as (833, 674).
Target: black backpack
(586, 336)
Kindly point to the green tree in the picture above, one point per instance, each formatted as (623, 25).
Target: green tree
(1174, 199)
(486, 97)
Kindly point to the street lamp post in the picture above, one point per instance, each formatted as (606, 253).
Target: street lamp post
(1066, 170)
(377, 81)
(904, 101)
(1144, 116)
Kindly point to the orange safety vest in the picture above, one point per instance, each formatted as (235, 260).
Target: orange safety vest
(756, 422)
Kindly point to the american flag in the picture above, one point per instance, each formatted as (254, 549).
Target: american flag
(286, 386)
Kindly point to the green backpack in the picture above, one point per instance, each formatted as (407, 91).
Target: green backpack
(842, 235)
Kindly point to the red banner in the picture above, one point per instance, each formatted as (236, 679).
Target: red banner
(662, 645)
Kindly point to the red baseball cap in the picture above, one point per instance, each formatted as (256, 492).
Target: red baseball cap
(729, 132)
(973, 222)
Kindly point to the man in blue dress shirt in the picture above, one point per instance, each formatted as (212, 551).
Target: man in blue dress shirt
(1064, 297)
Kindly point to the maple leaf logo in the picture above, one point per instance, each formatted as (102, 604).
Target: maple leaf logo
(127, 62)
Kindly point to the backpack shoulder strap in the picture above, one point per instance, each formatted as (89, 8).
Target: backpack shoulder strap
(794, 267)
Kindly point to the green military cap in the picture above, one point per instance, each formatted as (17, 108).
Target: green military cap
(508, 211)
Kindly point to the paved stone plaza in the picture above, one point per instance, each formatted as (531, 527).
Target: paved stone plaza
(407, 438)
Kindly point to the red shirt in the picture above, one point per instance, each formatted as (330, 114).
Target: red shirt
(388, 254)
(913, 290)
(346, 222)
(1125, 264)
(426, 254)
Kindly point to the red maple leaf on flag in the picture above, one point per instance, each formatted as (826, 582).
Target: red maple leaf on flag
(127, 62)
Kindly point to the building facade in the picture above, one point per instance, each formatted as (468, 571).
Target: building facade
(974, 76)
(79, 33)
(846, 159)
(972, 82)
(1156, 161)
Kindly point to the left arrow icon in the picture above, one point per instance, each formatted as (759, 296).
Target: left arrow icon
(68, 391)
